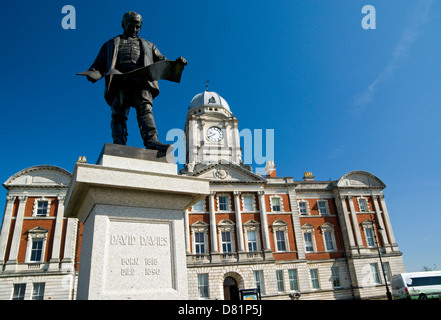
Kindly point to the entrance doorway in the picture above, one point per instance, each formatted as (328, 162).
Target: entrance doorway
(231, 291)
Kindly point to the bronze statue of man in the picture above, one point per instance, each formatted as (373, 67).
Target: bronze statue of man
(125, 53)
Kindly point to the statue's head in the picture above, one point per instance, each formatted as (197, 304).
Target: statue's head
(132, 24)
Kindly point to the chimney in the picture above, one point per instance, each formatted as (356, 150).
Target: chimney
(308, 176)
(270, 169)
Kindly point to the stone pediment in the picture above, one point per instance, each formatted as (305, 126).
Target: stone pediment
(360, 179)
(228, 173)
(40, 176)
(200, 224)
(38, 229)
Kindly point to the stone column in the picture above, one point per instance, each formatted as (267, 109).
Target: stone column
(215, 255)
(187, 233)
(385, 240)
(348, 226)
(355, 223)
(264, 221)
(56, 242)
(70, 245)
(16, 237)
(6, 225)
(239, 229)
(213, 232)
(298, 234)
(387, 224)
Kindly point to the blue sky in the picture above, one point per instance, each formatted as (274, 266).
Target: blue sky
(339, 97)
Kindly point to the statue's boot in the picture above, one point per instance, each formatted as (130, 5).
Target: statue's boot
(149, 133)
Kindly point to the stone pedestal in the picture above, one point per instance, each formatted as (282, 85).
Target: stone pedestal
(132, 205)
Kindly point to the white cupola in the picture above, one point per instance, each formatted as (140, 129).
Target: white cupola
(212, 134)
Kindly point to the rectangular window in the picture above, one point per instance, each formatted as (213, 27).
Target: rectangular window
(425, 281)
(247, 203)
(38, 292)
(36, 250)
(302, 208)
(280, 286)
(199, 206)
(323, 210)
(275, 203)
(226, 242)
(258, 280)
(387, 271)
(199, 238)
(42, 208)
(223, 203)
(280, 235)
(363, 204)
(308, 242)
(328, 241)
(252, 241)
(314, 279)
(293, 280)
(203, 285)
(19, 291)
(375, 274)
(335, 277)
(370, 237)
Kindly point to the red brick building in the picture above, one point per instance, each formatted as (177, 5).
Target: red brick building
(319, 239)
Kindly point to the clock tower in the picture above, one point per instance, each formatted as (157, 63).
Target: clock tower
(212, 134)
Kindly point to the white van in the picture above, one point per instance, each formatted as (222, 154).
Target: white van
(417, 285)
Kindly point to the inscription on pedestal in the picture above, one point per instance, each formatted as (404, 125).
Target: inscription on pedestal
(139, 256)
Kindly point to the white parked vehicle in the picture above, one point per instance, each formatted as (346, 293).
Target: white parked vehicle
(417, 285)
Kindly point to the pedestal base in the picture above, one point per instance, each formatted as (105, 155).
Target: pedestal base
(133, 244)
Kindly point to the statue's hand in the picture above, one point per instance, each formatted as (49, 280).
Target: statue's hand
(182, 60)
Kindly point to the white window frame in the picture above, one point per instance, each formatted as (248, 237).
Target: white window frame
(253, 202)
(280, 226)
(18, 291)
(204, 286)
(387, 271)
(228, 196)
(280, 281)
(328, 228)
(254, 226)
(252, 245)
(280, 203)
(314, 277)
(199, 227)
(38, 289)
(335, 277)
(326, 208)
(375, 272)
(366, 206)
(226, 226)
(293, 276)
(367, 225)
(308, 228)
(201, 245)
(35, 208)
(307, 213)
(36, 234)
(259, 279)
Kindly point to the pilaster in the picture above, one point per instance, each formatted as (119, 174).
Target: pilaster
(239, 229)
(56, 242)
(6, 225)
(16, 237)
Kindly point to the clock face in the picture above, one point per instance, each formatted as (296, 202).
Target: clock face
(215, 134)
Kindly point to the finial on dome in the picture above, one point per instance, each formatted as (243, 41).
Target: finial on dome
(206, 84)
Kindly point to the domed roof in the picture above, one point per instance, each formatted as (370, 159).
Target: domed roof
(208, 98)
